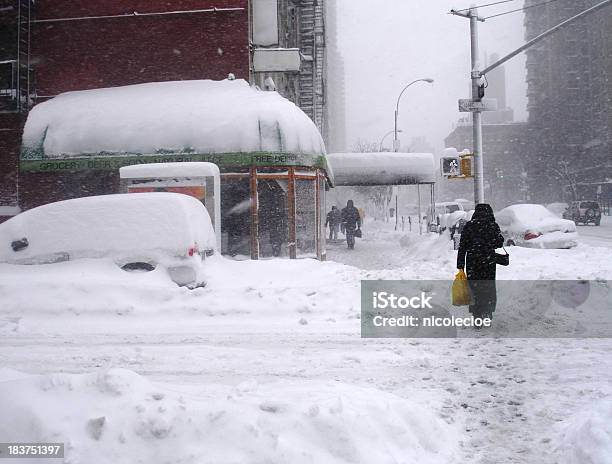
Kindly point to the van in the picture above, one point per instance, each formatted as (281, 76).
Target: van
(138, 232)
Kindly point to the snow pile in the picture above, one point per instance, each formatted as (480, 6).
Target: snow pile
(117, 416)
(430, 246)
(200, 116)
(587, 438)
(139, 225)
(285, 293)
(381, 168)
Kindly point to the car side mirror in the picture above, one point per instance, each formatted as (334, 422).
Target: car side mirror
(19, 245)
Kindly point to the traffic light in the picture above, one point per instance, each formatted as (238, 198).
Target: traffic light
(466, 165)
(481, 92)
(450, 166)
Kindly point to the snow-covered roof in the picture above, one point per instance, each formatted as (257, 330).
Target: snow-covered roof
(166, 170)
(385, 168)
(199, 116)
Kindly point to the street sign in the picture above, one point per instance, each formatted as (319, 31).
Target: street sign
(467, 105)
(276, 59)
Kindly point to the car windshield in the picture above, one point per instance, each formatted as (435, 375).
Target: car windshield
(589, 205)
(452, 208)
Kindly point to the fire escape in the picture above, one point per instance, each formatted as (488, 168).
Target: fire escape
(15, 66)
(312, 47)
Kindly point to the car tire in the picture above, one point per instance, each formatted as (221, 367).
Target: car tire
(510, 243)
(138, 266)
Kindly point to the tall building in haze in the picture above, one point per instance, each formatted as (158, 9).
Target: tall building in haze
(569, 100)
(335, 79)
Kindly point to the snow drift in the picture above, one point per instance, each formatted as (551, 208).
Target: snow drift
(587, 438)
(117, 416)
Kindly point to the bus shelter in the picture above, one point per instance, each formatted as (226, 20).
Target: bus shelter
(270, 155)
(386, 168)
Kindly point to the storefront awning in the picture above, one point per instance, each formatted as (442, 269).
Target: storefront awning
(187, 119)
(383, 168)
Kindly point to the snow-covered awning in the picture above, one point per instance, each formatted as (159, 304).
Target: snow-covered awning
(183, 117)
(385, 168)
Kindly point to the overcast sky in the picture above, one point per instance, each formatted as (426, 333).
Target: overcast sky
(388, 43)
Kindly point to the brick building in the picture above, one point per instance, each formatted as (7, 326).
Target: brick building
(49, 47)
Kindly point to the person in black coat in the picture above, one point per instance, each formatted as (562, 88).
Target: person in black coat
(479, 239)
(351, 220)
(334, 218)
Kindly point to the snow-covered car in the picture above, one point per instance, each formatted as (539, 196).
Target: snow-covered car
(584, 211)
(558, 209)
(534, 226)
(467, 205)
(137, 231)
(447, 214)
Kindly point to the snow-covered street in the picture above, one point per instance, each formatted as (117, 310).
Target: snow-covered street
(597, 235)
(263, 334)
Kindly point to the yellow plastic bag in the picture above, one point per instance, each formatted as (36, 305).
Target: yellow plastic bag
(461, 291)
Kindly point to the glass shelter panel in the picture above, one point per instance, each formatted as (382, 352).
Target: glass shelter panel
(306, 218)
(236, 216)
(322, 216)
(273, 230)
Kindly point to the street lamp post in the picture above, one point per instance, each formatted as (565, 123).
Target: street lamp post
(382, 141)
(395, 140)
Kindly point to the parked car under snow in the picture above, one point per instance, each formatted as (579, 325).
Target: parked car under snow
(447, 214)
(534, 226)
(138, 231)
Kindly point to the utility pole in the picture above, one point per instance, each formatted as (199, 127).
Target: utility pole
(476, 110)
(476, 115)
(477, 104)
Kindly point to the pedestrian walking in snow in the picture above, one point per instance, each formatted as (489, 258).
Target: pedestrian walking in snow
(479, 239)
(334, 218)
(351, 221)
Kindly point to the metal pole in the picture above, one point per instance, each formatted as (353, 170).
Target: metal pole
(395, 144)
(476, 116)
(396, 215)
(419, 207)
(382, 141)
(429, 80)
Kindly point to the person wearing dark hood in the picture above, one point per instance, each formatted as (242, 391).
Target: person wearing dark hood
(351, 221)
(479, 239)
